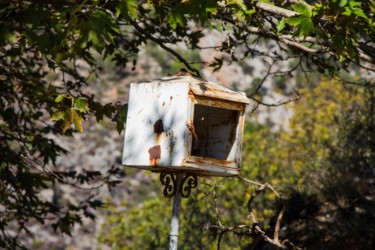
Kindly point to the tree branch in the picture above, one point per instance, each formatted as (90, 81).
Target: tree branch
(255, 231)
(261, 185)
(276, 10)
(366, 52)
(276, 104)
(162, 45)
(287, 39)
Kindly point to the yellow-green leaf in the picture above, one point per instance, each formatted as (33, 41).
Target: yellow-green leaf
(77, 120)
(57, 116)
(59, 98)
(82, 104)
(68, 117)
(280, 25)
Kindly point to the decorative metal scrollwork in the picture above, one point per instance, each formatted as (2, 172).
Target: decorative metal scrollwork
(169, 182)
(172, 185)
(191, 182)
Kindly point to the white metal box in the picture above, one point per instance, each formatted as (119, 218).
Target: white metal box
(184, 124)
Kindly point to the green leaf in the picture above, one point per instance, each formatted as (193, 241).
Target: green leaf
(307, 27)
(280, 25)
(57, 116)
(132, 8)
(65, 228)
(235, 2)
(44, 42)
(59, 57)
(343, 3)
(304, 23)
(303, 9)
(82, 104)
(354, 4)
(120, 117)
(96, 41)
(59, 98)
(128, 9)
(294, 20)
(175, 18)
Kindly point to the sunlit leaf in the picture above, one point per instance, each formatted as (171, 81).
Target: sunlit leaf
(68, 119)
(303, 9)
(59, 98)
(82, 104)
(280, 25)
(295, 20)
(58, 116)
(77, 120)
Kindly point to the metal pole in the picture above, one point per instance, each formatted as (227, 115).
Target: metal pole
(175, 222)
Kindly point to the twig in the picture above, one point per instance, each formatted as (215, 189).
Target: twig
(255, 231)
(261, 185)
(298, 97)
(263, 80)
(163, 46)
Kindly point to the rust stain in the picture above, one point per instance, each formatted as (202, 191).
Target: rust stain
(215, 102)
(204, 86)
(158, 129)
(210, 167)
(154, 153)
(159, 126)
(191, 96)
(210, 161)
(206, 91)
(183, 72)
(191, 127)
(163, 104)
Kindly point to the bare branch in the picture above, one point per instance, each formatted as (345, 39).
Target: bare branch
(261, 185)
(287, 39)
(263, 80)
(298, 97)
(163, 46)
(275, 10)
(255, 231)
(277, 226)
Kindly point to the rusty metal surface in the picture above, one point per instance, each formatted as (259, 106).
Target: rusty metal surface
(215, 91)
(183, 124)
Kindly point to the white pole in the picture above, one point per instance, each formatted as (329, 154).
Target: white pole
(175, 222)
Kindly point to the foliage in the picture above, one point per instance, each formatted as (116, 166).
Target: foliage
(147, 225)
(37, 37)
(339, 213)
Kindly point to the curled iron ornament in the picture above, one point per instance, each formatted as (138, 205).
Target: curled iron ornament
(189, 181)
(169, 180)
